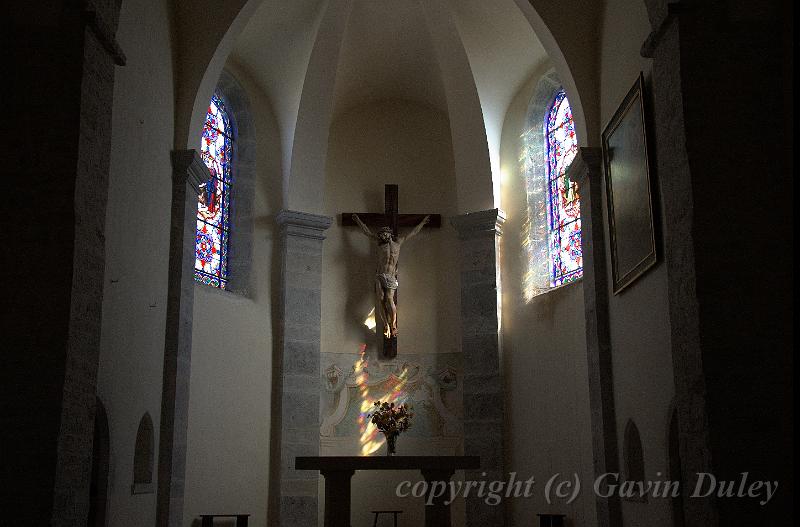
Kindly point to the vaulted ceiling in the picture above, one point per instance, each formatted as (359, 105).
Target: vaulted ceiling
(388, 53)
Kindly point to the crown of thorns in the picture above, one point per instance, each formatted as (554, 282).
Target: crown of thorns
(385, 229)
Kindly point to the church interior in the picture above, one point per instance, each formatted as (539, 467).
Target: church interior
(585, 309)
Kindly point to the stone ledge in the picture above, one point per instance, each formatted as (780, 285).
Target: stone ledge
(143, 488)
(475, 223)
(586, 165)
(104, 32)
(304, 224)
(653, 40)
(230, 295)
(187, 166)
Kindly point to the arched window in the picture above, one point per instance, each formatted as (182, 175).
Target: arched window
(563, 202)
(552, 230)
(213, 206)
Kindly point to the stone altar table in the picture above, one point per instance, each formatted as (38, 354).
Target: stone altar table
(338, 470)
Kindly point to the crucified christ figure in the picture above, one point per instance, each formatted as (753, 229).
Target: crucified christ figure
(386, 272)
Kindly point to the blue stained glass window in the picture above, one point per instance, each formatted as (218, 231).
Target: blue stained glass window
(213, 204)
(563, 200)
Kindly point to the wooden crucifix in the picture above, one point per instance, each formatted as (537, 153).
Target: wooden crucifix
(386, 233)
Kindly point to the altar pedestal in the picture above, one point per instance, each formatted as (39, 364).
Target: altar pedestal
(338, 470)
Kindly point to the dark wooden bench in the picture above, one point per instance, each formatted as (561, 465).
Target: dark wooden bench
(551, 520)
(378, 513)
(207, 520)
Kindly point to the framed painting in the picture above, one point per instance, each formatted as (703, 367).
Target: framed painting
(628, 193)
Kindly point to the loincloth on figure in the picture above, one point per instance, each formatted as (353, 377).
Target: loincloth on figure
(386, 280)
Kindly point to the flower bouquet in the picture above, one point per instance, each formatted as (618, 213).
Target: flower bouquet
(391, 420)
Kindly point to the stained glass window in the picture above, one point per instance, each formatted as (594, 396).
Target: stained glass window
(563, 201)
(213, 204)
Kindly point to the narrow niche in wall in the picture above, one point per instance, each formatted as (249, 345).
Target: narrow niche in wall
(675, 473)
(143, 457)
(101, 455)
(634, 460)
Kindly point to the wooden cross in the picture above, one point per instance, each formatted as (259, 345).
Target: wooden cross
(393, 219)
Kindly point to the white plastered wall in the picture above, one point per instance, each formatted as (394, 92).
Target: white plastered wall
(545, 360)
(472, 163)
(228, 439)
(372, 145)
(639, 316)
(137, 249)
(470, 147)
(408, 144)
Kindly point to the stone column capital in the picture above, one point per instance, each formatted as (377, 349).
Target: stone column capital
(660, 20)
(303, 224)
(586, 165)
(481, 222)
(295, 493)
(104, 30)
(188, 167)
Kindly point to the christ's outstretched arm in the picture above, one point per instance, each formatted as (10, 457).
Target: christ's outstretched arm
(364, 228)
(416, 230)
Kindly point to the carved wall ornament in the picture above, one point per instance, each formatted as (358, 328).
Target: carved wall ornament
(424, 386)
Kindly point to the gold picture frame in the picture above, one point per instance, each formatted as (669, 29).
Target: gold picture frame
(631, 224)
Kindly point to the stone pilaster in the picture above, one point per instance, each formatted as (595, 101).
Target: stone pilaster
(298, 366)
(56, 224)
(585, 170)
(188, 173)
(484, 406)
(673, 172)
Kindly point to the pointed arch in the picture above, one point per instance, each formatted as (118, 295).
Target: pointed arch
(306, 171)
(674, 467)
(474, 185)
(203, 59)
(577, 73)
(143, 457)
(101, 459)
(633, 455)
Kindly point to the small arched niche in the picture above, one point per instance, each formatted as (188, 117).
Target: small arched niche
(675, 473)
(101, 453)
(143, 457)
(634, 459)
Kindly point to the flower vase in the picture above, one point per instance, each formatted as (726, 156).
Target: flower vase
(391, 443)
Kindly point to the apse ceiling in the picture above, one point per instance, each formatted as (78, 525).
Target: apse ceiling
(388, 53)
